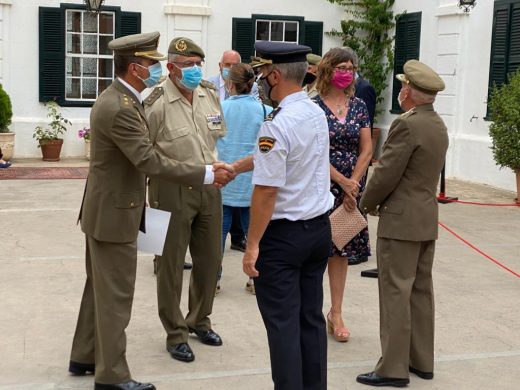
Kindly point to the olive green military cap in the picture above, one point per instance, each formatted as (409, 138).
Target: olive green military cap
(422, 77)
(313, 59)
(185, 47)
(138, 45)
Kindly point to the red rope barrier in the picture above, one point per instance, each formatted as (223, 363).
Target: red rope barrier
(479, 251)
(482, 204)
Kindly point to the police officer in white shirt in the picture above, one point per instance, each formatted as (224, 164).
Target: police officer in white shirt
(289, 232)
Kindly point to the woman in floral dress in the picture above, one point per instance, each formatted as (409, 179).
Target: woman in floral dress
(350, 154)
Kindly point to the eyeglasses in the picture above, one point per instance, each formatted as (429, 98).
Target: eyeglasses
(344, 69)
(188, 64)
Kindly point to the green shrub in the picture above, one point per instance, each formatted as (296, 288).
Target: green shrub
(6, 111)
(505, 128)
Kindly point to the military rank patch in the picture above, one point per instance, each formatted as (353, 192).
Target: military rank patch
(265, 144)
(215, 119)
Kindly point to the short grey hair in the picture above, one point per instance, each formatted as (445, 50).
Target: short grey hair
(293, 71)
(353, 55)
(172, 57)
(420, 97)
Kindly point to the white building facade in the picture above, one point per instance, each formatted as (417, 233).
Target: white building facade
(53, 49)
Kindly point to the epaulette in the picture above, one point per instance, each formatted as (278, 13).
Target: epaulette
(156, 94)
(127, 100)
(273, 113)
(408, 113)
(208, 84)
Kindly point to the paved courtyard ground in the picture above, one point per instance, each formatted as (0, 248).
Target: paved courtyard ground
(42, 275)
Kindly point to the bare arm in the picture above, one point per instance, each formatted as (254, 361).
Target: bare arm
(243, 165)
(365, 154)
(262, 206)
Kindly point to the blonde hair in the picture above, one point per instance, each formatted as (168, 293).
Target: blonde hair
(326, 69)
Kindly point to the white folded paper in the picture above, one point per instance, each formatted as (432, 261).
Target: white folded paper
(152, 241)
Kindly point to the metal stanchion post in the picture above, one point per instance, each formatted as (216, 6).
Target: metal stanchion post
(442, 198)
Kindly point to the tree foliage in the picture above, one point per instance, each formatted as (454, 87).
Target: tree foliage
(6, 111)
(368, 33)
(505, 128)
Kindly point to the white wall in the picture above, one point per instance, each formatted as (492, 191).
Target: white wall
(209, 22)
(458, 46)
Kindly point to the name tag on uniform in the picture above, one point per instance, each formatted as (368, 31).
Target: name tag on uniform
(215, 119)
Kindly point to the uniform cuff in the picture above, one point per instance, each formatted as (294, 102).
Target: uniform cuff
(209, 176)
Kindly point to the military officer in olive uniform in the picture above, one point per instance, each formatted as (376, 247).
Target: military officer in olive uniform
(309, 82)
(403, 189)
(113, 208)
(186, 121)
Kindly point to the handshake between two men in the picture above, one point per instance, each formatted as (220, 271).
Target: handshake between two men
(225, 172)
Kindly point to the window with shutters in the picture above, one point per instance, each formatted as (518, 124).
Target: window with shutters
(89, 63)
(294, 29)
(505, 43)
(407, 47)
(76, 64)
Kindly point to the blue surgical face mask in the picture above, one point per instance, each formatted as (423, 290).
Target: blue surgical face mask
(225, 73)
(191, 77)
(155, 74)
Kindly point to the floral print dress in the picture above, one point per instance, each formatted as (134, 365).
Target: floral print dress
(344, 153)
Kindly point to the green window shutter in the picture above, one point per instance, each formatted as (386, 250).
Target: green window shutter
(243, 39)
(130, 23)
(52, 54)
(407, 47)
(314, 36)
(505, 44)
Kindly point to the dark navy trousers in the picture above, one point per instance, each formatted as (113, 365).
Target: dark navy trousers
(289, 291)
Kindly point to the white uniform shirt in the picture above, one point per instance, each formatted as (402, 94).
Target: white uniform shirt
(293, 155)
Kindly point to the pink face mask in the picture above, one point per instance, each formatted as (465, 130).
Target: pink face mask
(342, 80)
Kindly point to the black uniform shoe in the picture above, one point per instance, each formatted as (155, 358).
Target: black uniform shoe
(372, 379)
(421, 374)
(181, 352)
(357, 260)
(370, 273)
(80, 369)
(188, 265)
(239, 246)
(208, 337)
(130, 385)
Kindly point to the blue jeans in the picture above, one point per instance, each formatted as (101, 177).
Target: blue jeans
(227, 218)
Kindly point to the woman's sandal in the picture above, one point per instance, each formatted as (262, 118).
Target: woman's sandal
(341, 335)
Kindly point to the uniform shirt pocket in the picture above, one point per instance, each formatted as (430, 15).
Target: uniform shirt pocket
(170, 134)
(129, 200)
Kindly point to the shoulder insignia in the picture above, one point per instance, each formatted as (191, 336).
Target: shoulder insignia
(207, 84)
(273, 113)
(408, 113)
(156, 94)
(265, 144)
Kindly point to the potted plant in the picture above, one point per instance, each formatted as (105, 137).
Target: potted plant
(48, 137)
(6, 136)
(85, 134)
(505, 128)
(368, 34)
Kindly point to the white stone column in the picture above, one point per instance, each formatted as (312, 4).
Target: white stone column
(450, 64)
(5, 6)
